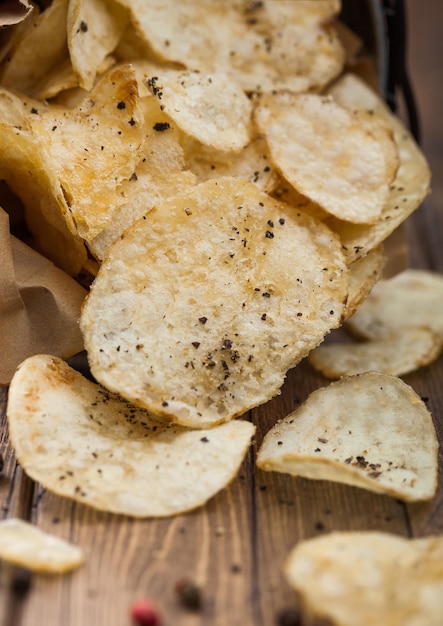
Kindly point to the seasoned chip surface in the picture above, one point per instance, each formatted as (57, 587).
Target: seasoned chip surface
(82, 442)
(409, 187)
(261, 45)
(370, 430)
(23, 544)
(341, 159)
(369, 578)
(209, 107)
(203, 306)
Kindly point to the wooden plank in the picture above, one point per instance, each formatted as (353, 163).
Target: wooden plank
(128, 559)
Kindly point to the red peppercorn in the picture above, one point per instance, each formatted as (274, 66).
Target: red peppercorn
(145, 613)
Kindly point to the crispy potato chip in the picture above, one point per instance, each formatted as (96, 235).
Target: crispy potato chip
(200, 309)
(94, 28)
(369, 578)
(363, 275)
(370, 430)
(261, 45)
(403, 351)
(94, 148)
(26, 545)
(252, 163)
(411, 298)
(342, 160)
(82, 442)
(408, 189)
(159, 175)
(208, 107)
(30, 175)
(39, 48)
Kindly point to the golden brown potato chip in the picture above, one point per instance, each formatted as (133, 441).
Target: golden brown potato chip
(39, 48)
(340, 159)
(200, 309)
(94, 148)
(30, 175)
(210, 108)
(370, 430)
(26, 545)
(408, 189)
(261, 45)
(159, 174)
(369, 578)
(363, 275)
(94, 28)
(411, 298)
(399, 353)
(82, 442)
(252, 163)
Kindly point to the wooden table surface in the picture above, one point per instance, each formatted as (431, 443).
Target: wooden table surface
(234, 547)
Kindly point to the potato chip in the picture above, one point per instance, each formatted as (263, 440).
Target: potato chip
(408, 189)
(200, 309)
(262, 45)
(159, 174)
(369, 578)
(98, 142)
(370, 430)
(252, 163)
(82, 442)
(411, 298)
(26, 545)
(94, 28)
(30, 175)
(363, 275)
(342, 160)
(39, 48)
(403, 351)
(208, 107)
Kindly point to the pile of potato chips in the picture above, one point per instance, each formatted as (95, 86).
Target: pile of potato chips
(227, 182)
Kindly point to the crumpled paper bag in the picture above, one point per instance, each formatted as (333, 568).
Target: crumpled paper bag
(39, 305)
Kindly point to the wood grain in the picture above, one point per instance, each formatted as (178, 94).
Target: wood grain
(236, 545)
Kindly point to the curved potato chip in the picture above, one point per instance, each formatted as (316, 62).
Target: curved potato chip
(342, 160)
(411, 298)
(369, 578)
(200, 309)
(208, 107)
(82, 442)
(370, 430)
(261, 45)
(409, 187)
(26, 545)
(403, 351)
(252, 163)
(159, 174)
(94, 28)
(39, 48)
(363, 275)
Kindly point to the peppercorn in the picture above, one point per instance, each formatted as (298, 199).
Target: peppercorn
(145, 613)
(189, 594)
(21, 582)
(289, 617)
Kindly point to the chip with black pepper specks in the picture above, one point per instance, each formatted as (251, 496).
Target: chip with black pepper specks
(82, 442)
(271, 282)
(370, 430)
